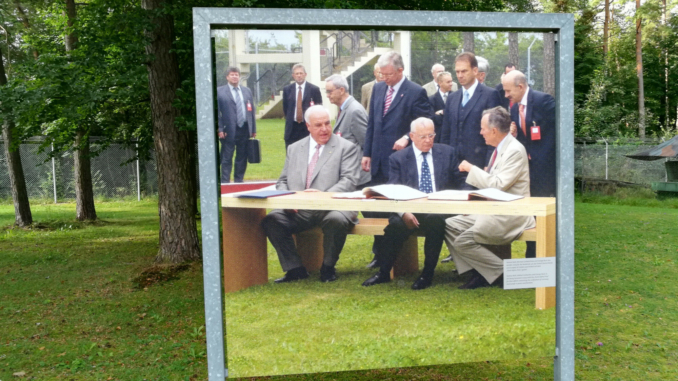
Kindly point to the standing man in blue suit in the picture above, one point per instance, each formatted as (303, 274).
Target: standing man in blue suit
(534, 124)
(396, 102)
(237, 123)
(297, 98)
(430, 168)
(463, 112)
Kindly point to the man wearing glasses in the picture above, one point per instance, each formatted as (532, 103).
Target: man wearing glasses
(429, 167)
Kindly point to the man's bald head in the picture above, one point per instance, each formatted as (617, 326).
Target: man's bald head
(515, 85)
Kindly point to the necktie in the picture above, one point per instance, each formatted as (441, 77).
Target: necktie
(425, 184)
(445, 98)
(389, 98)
(300, 112)
(494, 156)
(240, 115)
(523, 125)
(465, 100)
(311, 166)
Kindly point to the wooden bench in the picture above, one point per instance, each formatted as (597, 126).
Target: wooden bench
(310, 246)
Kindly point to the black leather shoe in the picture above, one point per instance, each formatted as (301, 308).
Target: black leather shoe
(446, 259)
(373, 264)
(476, 281)
(422, 283)
(327, 274)
(292, 275)
(377, 279)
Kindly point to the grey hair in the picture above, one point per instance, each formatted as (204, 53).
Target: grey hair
(436, 65)
(518, 78)
(314, 109)
(376, 66)
(441, 74)
(232, 69)
(499, 118)
(391, 58)
(421, 121)
(483, 65)
(338, 81)
(297, 66)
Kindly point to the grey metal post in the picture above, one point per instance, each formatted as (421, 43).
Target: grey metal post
(54, 174)
(529, 67)
(136, 145)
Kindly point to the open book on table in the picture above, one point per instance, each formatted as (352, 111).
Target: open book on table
(490, 194)
(385, 192)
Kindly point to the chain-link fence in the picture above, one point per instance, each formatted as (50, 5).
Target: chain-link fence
(114, 173)
(605, 159)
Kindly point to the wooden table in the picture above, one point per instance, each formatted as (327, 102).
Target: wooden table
(245, 258)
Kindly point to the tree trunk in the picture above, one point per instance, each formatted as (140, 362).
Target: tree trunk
(514, 56)
(606, 28)
(84, 192)
(549, 64)
(665, 53)
(469, 42)
(178, 231)
(22, 207)
(639, 71)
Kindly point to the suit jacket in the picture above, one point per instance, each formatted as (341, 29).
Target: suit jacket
(409, 104)
(352, 125)
(432, 88)
(403, 168)
(461, 125)
(509, 173)
(504, 101)
(540, 111)
(228, 112)
(311, 94)
(437, 104)
(336, 170)
(366, 94)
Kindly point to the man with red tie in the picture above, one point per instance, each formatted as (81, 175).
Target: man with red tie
(534, 125)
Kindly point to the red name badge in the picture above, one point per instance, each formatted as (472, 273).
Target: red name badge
(249, 106)
(312, 104)
(536, 132)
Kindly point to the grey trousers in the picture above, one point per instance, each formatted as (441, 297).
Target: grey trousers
(467, 254)
(280, 225)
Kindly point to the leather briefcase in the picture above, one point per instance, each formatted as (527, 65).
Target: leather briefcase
(254, 151)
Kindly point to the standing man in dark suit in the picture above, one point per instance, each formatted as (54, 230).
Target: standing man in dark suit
(439, 99)
(297, 98)
(351, 123)
(395, 103)
(500, 88)
(464, 110)
(322, 162)
(428, 167)
(237, 123)
(534, 124)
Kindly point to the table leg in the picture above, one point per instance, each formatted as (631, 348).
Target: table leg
(244, 246)
(546, 247)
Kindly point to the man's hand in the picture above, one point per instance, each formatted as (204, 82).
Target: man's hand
(365, 163)
(222, 135)
(439, 112)
(400, 144)
(465, 166)
(254, 135)
(290, 211)
(514, 129)
(410, 221)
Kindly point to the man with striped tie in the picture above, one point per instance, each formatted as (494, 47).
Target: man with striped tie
(428, 167)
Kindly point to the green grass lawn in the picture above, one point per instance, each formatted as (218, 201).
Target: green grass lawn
(69, 308)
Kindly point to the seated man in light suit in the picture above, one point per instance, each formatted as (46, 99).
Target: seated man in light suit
(322, 162)
(471, 238)
(428, 167)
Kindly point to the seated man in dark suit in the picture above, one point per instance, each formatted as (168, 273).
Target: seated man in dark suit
(428, 167)
(439, 99)
(321, 162)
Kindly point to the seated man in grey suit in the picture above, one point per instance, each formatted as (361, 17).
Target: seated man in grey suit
(322, 162)
(351, 122)
(428, 167)
(471, 238)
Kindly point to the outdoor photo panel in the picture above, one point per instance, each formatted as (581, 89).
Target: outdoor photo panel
(312, 326)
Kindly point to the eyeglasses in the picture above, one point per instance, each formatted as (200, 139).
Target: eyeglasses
(429, 136)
